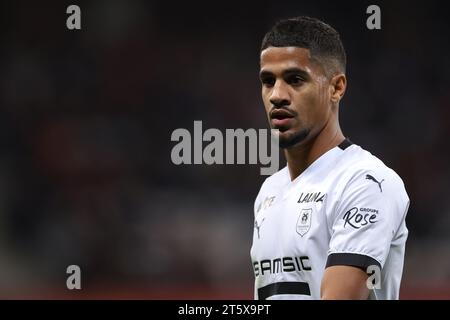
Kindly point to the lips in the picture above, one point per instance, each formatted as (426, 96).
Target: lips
(280, 114)
(281, 118)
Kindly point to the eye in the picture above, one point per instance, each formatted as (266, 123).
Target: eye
(295, 80)
(268, 81)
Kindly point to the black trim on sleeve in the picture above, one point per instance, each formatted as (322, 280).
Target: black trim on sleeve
(345, 144)
(351, 259)
(283, 288)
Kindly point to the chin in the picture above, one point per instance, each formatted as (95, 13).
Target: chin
(288, 140)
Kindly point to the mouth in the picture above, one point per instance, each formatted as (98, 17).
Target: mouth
(281, 118)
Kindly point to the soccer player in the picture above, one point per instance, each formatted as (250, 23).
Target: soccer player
(331, 224)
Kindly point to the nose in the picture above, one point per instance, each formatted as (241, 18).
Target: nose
(280, 95)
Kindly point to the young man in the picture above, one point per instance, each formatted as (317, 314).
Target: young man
(330, 225)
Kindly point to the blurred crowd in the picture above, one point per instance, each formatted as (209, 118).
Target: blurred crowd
(86, 118)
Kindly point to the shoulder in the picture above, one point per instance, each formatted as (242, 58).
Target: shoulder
(276, 180)
(270, 186)
(365, 174)
(360, 163)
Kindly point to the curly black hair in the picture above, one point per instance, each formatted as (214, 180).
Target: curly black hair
(321, 39)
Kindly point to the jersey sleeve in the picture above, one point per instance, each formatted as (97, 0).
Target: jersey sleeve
(371, 209)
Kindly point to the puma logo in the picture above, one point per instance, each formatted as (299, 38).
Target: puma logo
(369, 177)
(257, 227)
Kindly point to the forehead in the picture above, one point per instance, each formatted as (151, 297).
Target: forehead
(276, 59)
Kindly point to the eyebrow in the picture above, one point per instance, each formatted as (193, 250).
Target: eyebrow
(287, 72)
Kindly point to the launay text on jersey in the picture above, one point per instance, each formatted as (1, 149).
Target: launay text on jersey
(311, 197)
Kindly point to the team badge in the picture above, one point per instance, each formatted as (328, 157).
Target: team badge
(304, 221)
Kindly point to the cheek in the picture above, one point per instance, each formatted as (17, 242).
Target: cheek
(319, 102)
(308, 102)
(324, 95)
(266, 100)
(311, 107)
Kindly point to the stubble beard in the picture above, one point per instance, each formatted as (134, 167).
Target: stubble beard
(296, 138)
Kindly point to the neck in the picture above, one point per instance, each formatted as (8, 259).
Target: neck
(302, 156)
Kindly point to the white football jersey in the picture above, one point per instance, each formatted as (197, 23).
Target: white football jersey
(346, 208)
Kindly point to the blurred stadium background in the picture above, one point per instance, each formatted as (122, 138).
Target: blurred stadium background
(85, 124)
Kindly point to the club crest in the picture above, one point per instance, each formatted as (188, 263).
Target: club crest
(304, 221)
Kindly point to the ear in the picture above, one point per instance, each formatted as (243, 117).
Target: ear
(338, 84)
